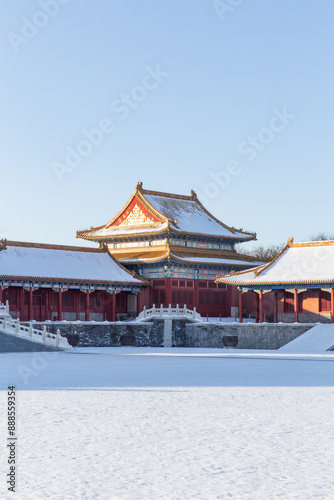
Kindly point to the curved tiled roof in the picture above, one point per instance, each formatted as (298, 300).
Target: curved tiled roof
(181, 214)
(298, 263)
(55, 262)
(186, 259)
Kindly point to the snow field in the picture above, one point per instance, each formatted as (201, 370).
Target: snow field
(90, 426)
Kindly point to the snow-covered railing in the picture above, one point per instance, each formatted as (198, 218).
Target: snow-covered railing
(41, 336)
(4, 310)
(169, 311)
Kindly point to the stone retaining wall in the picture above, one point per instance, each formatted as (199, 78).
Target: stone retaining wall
(184, 333)
(250, 335)
(105, 334)
(147, 333)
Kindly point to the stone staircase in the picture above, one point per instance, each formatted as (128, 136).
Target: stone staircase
(16, 337)
(12, 343)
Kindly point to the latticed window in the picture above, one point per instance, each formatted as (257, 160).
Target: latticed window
(159, 297)
(68, 299)
(13, 298)
(121, 299)
(325, 301)
(181, 298)
(289, 302)
(211, 298)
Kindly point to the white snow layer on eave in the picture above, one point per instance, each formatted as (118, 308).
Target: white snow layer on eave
(296, 264)
(63, 264)
(120, 230)
(135, 260)
(190, 217)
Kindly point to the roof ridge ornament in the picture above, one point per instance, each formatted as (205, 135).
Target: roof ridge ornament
(3, 244)
(289, 242)
(139, 186)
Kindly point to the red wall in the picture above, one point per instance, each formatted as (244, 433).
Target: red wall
(208, 297)
(45, 304)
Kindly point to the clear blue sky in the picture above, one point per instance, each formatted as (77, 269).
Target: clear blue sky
(224, 78)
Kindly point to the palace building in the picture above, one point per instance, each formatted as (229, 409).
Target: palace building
(175, 243)
(53, 282)
(297, 285)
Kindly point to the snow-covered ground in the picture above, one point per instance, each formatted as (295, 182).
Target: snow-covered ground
(137, 423)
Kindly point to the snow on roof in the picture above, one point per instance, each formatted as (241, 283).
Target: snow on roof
(122, 230)
(184, 214)
(311, 262)
(188, 215)
(62, 263)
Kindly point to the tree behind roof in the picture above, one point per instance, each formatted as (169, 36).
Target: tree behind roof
(322, 236)
(263, 253)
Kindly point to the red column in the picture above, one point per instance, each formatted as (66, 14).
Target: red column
(276, 307)
(113, 307)
(0, 294)
(151, 294)
(295, 305)
(60, 305)
(138, 307)
(196, 293)
(22, 295)
(168, 284)
(87, 307)
(18, 314)
(261, 306)
(256, 307)
(332, 305)
(31, 312)
(240, 307)
(50, 303)
(76, 303)
(47, 304)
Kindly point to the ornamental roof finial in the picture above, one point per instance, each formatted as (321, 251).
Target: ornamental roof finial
(193, 194)
(139, 186)
(3, 244)
(289, 242)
